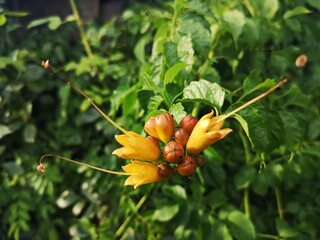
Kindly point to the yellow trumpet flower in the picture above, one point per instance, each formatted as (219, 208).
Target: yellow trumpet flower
(206, 132)
(136, 146)
(141, 173)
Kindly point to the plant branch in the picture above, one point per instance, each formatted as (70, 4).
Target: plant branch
(279, 202)
(83, 35)
(42, 168)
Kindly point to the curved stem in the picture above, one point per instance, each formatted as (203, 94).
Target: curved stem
(41, 167)
(83, 35)
(46, 65)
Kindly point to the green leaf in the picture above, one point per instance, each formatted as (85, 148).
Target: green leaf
(30, 133)
(197, 27)
(266, 9)
(165, 213)
(17, 14)
(244, 176)
(251, 91)
(175, 191)
(220, 232)
(314, 3)
(4, 130)
(233, 22)
(3, 19)
(284, 229)
(170, 53)
(204, 92)
(240, 226)
(172, 72)
(41, 21)
(296, 11)
(265, 128)
(244, 125)
(177, 110)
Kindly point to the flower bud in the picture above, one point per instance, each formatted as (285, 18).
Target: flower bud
(188, 123)
(150, 127)
(301, 61)
(200, 160)
(164, 126)
(187, 166)
(165, 170)
(173, 151)
(181, 136)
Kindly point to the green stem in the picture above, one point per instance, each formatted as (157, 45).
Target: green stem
(279, 202)
(128, 219)
(83, 35)
(246, 197)
(267, 236)
(173, 21)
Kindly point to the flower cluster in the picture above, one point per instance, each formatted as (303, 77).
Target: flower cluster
(168, 149)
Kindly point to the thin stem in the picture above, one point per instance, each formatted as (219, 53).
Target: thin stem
(267, 236)
(279, 84)
(83, 35)
(246, 197)
(279, 202)
(128, 219)
(246, 200)
(45, 64)
(173, 22)
(41, 167)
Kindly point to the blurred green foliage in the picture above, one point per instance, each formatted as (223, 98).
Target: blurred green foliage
(179, 56)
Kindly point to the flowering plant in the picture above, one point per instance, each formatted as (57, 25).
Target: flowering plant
(167, 149)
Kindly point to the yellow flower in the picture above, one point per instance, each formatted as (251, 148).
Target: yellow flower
(136, 146)
(205, 133)
(141, 173)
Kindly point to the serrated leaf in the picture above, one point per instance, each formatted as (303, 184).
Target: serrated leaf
(233, 22)
(177, 110)
(262, 87)
(296, 11)
(205, 92)
(172, 91)
(197, 27)
(147, 83)
(172, 72)
(170, 53)
(240, 226)
(265, 128)
(165, 213)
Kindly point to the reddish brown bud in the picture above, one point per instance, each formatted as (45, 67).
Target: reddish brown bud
(173, 151)
(41, 168)
(165, 170)
(188, 123)
(301, 60)
(187, 166)
(181, 136)
(200, 160)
